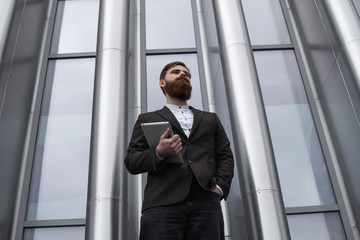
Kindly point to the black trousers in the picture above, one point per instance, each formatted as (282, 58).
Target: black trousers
(198, 217)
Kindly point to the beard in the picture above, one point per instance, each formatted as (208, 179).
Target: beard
(180, 88)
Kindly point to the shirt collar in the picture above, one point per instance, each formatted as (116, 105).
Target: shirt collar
(176, 107)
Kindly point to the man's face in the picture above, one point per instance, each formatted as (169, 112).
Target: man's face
(177, 83)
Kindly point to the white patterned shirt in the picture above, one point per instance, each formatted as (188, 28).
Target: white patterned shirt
(184, 115)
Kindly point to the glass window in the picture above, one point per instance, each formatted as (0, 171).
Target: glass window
(155, 97)
(319, 226)
(60, 172)
(303, 174)
(265, 22)
(169, 24)
(357, 6)
(75, 26)
(56, 233)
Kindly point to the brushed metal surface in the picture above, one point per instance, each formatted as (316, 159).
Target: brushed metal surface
(107, 214)
(345, 20)
(263, 205)
(136, 80)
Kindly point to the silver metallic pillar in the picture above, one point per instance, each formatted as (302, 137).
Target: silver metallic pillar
(205, 59)
(263, 204)
(205, 56)
(137, 72)
(107, 211)
(346, 23)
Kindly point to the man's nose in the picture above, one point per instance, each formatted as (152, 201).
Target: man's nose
(182, 73)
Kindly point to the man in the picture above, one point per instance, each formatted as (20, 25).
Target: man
(182, 201)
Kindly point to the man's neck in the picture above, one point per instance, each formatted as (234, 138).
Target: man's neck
(175, 101)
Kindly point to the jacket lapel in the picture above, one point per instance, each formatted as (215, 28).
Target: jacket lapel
(198, 115)
(169, 116)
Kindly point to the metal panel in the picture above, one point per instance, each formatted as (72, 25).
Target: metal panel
(346, 24)
(7, 9)
(331, 42)
(19, 63)
(107, 214)
(263, 205)
(12, 128)
(346, 128)
(30, 138)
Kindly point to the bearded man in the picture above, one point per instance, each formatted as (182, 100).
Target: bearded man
(182, 201)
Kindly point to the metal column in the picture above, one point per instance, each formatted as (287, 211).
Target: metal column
(346, 23)
(136, 98)
(263, 204)
(205, 58)
(107, 211)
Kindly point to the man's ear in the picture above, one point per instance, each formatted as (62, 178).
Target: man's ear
(162, 83)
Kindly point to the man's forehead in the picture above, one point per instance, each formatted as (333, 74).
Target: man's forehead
(179, 67)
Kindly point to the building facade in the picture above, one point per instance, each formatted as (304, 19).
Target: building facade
(282, 75)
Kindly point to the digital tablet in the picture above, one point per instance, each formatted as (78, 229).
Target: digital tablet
(153, 132)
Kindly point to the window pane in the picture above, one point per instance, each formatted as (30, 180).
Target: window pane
(76, 26)
(357, 6)
(303, 174)
(265, 22)
(320, 226)
(155, 97)
(57, 233)
(60, 172)
(169, 24)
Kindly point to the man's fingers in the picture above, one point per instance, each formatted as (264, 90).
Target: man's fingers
(179, 148)
(169, 146)
(176, 140)
(166, 134)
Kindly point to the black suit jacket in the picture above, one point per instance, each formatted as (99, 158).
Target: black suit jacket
(206, 153)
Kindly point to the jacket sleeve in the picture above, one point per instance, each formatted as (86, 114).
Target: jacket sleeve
(224, 159)
(140, 158)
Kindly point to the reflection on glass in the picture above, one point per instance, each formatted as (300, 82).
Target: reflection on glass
(357, 6)
(60, 172)
(265, 22)
(155, 97)
(75, 26)
(320, 226)
(303, 174)
(58, 233)
(169, 24)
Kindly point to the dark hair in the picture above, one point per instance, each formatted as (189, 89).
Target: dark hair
(167, 67)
